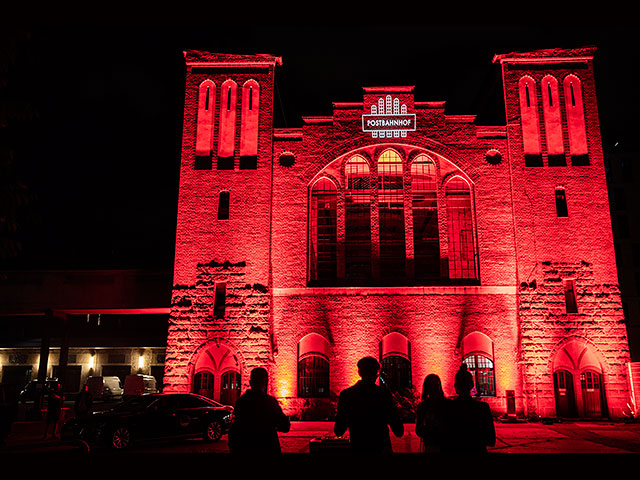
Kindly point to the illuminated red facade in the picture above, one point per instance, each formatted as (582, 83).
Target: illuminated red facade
(395, 230)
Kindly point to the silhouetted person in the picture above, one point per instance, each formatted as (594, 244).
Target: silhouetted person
(257, 419)
(430, 414)
(367, 411)
(54, 408)
(83, 403)
(469, 424)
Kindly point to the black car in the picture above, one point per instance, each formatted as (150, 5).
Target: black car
(152, 417)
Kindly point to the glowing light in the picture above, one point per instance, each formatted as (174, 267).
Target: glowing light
(92, 361)
(141, 361)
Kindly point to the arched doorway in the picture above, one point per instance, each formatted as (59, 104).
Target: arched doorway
(395, 361)
(578, 381)
(216, 374)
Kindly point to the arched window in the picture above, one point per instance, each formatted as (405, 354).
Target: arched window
(227, 122)
(552, 121)
(460, 229)
(575, 119)
(426, 240)
(323, 230)
(313, 367)
(204, 122)
(395, 361)
(529, 121)
(477, 351)
(249, 124)
(357, 228)
(391, 216)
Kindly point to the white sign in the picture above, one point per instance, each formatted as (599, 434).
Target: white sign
(388, 119)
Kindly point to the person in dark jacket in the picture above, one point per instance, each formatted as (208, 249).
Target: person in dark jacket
(430, 414)
(367, 411)
(257, 419)
(469, 424)
(54, 409)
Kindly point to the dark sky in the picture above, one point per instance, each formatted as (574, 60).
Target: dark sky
(102, 157)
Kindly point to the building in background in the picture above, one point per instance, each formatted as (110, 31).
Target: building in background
(394, 230)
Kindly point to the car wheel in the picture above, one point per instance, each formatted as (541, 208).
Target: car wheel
(121, 438)
(214, 431)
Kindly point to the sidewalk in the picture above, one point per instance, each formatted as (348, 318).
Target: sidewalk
(582, 437)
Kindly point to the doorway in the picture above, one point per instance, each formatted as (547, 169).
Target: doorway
(565, 394)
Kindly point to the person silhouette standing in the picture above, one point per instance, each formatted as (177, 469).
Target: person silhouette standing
(367, 411)
(430, 414)
(257, 419)
(468, 422)
(54, 409)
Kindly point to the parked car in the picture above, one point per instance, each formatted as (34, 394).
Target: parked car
(28, 393)
(139, 385)
(105, 388)
(152, 417)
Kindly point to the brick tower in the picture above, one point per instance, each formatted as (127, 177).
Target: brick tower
(222, 242)
(570, 313)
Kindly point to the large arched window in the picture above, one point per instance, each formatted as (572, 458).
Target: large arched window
(478, 355)
(357, 230)
(552, 121)
(204, 122)
(249, 124)
(226, 142)
(575, 120)
(460, 229)
(391, 216)
(395, 361)
(529, 121)
(323, 230)
(313, 367)
(426, 241)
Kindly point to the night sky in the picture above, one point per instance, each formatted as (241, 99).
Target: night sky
(101, 158)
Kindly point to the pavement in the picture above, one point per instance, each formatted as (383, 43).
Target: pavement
(518, 437)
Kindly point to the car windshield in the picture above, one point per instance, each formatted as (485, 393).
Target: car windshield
(136, 404)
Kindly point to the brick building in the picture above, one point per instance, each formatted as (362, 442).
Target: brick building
(395, 230)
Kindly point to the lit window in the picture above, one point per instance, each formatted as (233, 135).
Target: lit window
(249, 124)
(226, 142)
(529, 122)
(391, 216)
(395, 371)
(481, 367)
(561, 203)
(460, 229)
(204, 124)
(357, 221)
(552, 121)
(323, 230)
(426, 239)
(313, 367)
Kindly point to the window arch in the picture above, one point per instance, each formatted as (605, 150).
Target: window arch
(313, 367)
(426, 237)
(227, 119)
(357, 220)
(391, 215)
(324, 230)
(249, 119)
(395, 361)
(529, 120)
(460, 229)
(204, 122)
(477, 351)
(575, 116)
(552, 118)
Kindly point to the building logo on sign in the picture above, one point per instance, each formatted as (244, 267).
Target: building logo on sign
(388, 119)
